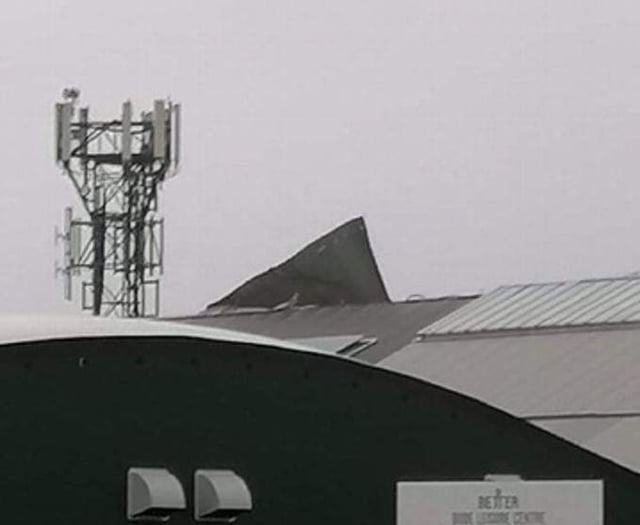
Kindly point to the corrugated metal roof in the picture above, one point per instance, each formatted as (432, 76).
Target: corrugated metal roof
(584, 373)
(561, 304)
(392, 325)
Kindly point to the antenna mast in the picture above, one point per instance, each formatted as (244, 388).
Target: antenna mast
(117, 168)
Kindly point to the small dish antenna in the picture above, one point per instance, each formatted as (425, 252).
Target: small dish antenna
(71, 94)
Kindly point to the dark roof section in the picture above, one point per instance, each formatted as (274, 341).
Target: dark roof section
(393, 325)
(338, 268)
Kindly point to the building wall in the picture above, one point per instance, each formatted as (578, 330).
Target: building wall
(318, 439)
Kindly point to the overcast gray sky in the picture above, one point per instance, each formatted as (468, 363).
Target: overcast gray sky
(485, 142)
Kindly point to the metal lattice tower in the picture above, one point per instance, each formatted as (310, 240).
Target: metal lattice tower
(117, 168)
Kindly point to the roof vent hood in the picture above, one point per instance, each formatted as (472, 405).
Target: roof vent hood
(153, 494)
(220, 496)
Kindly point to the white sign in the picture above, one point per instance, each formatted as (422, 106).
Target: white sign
(501, 503)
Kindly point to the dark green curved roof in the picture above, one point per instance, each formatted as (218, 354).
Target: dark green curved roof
(318, 439)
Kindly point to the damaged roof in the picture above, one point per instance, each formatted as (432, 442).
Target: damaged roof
(338, 268)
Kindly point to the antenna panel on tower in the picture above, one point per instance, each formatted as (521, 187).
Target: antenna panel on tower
(126, 131)
(64, 114)
(83, 131)
(159, 130)
(175, 135)
(66, 271)
(75, 240)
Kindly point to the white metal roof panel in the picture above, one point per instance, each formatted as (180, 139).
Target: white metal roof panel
(616, 439)
(539, 374)
(583, 385)
(579, 430)
(620, 443)
(577, 303)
